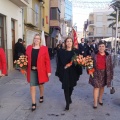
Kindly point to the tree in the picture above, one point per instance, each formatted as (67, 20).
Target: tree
(114, 4)
(113, 19)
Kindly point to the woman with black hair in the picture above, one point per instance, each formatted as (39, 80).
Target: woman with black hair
(103, 74)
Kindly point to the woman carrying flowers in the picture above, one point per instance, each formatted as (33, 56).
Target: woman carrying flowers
(67, 71)
(38, 69)
(103, 74)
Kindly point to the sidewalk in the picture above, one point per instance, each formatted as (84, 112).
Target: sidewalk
(15, 101)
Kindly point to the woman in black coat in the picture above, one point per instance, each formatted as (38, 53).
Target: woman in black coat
(70, 75)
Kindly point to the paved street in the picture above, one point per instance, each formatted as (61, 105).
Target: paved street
(15, 101)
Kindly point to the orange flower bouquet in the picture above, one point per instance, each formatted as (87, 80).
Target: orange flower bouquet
(77, 60)
(82, 61)
(89, 65)
(21, 63)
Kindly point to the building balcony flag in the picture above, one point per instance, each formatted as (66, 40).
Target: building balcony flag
(75, 41)
(43, 38)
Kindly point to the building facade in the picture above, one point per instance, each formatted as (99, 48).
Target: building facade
(32, 21)
(98, 25)
(63, 25)
(55, 10)
(45, 20)
(11, 26)
(68, 16)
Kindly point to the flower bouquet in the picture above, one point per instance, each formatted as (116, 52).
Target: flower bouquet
(82, 61)
(21, 63)
(89, 65)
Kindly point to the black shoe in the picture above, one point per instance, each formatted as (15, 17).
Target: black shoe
(33, 105)
(70, 101)
(101, 104)
(95, 107)
(41, 100)
(67, 107)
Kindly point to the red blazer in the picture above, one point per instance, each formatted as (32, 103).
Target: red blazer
(3, 64)
(43, 64)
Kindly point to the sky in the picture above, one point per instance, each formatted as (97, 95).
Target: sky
(81, 14)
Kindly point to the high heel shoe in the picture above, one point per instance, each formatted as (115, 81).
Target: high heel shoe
(67, 107)
(94, 107)
(70, 101)
(41, 100)
(33, 109)
(101, 104)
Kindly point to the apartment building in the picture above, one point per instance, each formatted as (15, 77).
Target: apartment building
(68, 16)
(55, 9)
(63, 24)
(32, 21)
(11, 26)
(45, 20)
(97, 25)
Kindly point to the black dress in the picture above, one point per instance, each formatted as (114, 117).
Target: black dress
(69, 76)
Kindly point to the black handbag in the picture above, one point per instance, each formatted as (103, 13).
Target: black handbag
(112, 89)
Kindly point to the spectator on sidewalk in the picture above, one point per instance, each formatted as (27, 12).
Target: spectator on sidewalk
(70, 75)
(39, 69)
(83, 48)
(3, 64)
(103, 74)
(19, 49)
(94, 47)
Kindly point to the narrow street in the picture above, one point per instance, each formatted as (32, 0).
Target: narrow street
(15, 101)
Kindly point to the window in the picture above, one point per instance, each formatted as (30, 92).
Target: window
(55, 14)
(109, 30)
(99, 18)
(99, 30)
(36, 14)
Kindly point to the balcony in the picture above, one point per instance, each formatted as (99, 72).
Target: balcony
(55, 3)
(55, 23)
(42, 1)
(91, 23)
(20, 3)
(90, 34)
(31, 17)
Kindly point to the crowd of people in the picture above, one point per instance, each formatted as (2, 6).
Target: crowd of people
(39, 67)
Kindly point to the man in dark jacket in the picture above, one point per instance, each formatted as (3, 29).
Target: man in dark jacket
(19, 49)
(94, 47)
(83, 48)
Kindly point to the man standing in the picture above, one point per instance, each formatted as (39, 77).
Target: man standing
(94, 47)
(19, 49)
(83, 48)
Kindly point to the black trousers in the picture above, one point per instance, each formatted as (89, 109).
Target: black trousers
(68, 93)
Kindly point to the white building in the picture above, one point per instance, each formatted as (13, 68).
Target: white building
(63, 24)
(79, 36)
(11, 26)
(98, 23)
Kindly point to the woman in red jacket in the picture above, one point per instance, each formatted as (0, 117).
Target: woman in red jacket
(3, 65)
(39, 68)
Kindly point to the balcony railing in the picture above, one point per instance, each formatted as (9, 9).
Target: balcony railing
(20, 3)
(54, 23)
(26, 1)
(90, 33)
(91, 22)
(55, 3)
(31, 17)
